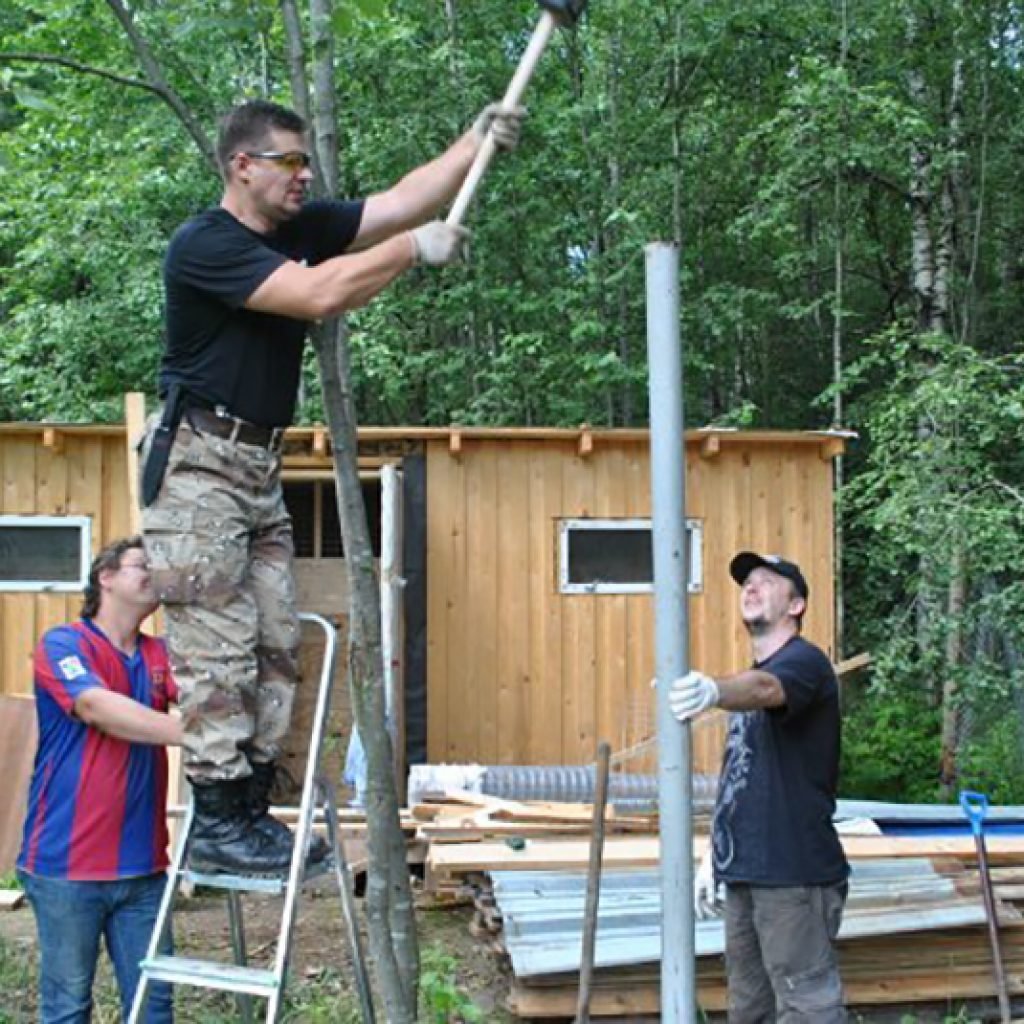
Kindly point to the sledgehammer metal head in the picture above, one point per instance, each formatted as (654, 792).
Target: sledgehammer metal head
(565, 12)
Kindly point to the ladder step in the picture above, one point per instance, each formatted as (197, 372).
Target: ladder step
(239, 883)
(249, 883)
(178, 970)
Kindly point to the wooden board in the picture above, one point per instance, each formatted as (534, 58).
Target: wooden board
(11, 899)
(17, 753)
(622, 852)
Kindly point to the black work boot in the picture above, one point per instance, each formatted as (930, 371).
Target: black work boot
(261, 783)
(223, 838)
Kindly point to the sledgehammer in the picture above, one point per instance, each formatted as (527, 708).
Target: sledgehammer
(555, 12)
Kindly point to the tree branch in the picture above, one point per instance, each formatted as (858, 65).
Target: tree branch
(85, 69)
(160, 85)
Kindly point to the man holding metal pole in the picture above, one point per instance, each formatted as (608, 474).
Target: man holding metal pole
(773, 843)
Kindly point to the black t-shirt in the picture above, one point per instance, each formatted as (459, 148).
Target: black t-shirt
(777, 793)
(217, 349)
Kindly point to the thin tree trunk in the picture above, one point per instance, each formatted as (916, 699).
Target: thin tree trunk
(624, 405)
(389, 904)
(837, 345)
(953, 657)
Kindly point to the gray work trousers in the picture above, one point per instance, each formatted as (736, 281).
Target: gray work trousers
(780, 956)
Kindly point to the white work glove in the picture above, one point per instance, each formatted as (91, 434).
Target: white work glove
(505, 125)
(437, 244)
(691, 695)
(707, 897)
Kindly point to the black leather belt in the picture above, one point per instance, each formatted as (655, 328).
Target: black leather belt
(222, 424)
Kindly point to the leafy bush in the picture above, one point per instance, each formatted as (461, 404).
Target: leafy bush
(441, 999)
(890, 746)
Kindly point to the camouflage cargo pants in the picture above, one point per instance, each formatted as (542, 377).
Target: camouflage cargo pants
(219, 543)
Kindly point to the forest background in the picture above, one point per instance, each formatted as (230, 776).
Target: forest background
(843, 179)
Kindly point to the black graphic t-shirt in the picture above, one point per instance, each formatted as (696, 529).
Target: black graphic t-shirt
(777, 792)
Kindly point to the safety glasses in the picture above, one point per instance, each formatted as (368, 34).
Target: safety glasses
(292, 162)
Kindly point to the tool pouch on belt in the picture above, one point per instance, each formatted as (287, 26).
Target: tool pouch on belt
(160, 446)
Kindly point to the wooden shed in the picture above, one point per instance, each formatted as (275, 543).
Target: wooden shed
(515, 565)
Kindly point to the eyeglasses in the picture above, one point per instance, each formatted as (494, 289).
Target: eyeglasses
(141, 566)
(293, 161)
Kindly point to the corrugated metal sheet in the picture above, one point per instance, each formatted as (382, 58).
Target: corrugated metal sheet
(543, 913)
(925, 813)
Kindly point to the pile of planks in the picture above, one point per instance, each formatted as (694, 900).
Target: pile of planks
(463, 833)
(907, 939)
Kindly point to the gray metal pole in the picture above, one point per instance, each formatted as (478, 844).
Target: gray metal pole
(671, 625)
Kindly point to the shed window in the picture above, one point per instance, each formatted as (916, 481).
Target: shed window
(314, 513)
(614, 556)
(44, 552)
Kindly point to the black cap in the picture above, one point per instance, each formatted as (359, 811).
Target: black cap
(747, 561)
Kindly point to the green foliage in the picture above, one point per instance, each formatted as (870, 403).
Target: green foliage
(9, 881)
(771, 140)
(937, 481)
(442, 1001)
(324, 998)
(890, 745)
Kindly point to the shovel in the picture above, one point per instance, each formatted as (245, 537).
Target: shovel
(975, 806)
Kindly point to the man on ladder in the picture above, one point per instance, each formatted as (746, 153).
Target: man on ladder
(242, 282)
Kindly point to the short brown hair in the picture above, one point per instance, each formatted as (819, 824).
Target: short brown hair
(109, 558)
(248, 125)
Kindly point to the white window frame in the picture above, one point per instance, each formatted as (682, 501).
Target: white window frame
(695, 578)
(84, 524)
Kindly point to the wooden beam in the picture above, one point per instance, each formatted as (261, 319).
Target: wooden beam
(53, 439)
(586, 443)
(320, 443)
(832, 448)
(853, 664)
(455, 444)
(134, 424)
(710, 446)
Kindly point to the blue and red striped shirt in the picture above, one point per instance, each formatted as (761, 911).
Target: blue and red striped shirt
(97, 805)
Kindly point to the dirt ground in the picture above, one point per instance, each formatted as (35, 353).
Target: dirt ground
(321, 963)
(321, 979)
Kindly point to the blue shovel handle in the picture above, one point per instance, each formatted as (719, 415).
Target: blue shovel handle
(975, 806)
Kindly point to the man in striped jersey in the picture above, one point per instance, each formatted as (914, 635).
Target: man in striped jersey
(94, 852)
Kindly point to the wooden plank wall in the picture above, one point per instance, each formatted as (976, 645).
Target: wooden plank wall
(73, 474)
(521, 674)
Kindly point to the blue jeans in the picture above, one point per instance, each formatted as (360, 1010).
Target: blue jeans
(71, 917)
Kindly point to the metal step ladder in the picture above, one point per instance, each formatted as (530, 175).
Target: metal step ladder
(239, 977)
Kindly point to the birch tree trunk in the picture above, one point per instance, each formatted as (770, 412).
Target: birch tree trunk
(389, 903)
(934, 242)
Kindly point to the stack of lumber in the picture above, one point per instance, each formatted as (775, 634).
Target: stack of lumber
(914, 931)
(475, 828)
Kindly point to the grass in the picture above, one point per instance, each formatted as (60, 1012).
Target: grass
(321, 999)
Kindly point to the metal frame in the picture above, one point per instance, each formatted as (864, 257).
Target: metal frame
(84, 524)
(239, 978)
(694, 530)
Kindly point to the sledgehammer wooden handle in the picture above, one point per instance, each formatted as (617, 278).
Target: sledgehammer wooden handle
(514, 93)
